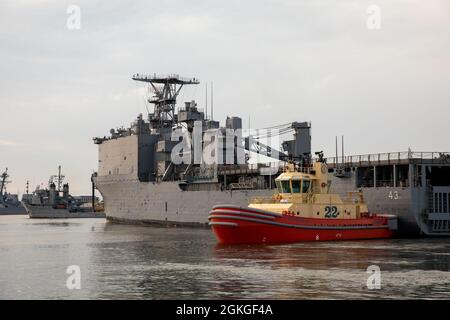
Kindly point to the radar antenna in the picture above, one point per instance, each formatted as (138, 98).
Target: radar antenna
(166, 89)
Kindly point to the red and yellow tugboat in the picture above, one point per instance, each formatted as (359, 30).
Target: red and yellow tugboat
(303, 209)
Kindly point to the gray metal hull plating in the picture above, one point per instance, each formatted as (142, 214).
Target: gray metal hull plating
(132, 201)
(127, 200)
(46, 212)
(386, 200)
(12, 211)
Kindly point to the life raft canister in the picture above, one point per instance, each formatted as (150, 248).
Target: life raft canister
(288, 213)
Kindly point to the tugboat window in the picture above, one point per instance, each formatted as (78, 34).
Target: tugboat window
(278, 183)
(286, 186)
(306, 184)
(296, 186)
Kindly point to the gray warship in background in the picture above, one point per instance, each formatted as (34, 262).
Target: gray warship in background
(56, 202)
(9, 203)
(141, 184)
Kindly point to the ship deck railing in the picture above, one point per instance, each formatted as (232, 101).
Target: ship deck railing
(184, 109)
(164, 78)
(272, 168)
(403, 157)
(242, 186)
(367, 183)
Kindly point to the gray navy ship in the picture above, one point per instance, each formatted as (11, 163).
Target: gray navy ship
(55, 201)
(141, 183)
(9, 203)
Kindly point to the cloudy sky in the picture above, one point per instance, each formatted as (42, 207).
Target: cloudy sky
(275, 61)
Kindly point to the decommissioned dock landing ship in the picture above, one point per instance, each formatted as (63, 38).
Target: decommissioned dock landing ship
(141, 183)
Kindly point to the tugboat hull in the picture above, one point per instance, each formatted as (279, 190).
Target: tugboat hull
(235, 225)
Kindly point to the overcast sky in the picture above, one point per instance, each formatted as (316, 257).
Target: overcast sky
(276, 61)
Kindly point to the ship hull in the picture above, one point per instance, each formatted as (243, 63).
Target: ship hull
(13, 211)
(129, 201)
(235, 225)
(48, 212)
(133, 202)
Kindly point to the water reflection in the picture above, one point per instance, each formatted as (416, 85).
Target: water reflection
(134, 262)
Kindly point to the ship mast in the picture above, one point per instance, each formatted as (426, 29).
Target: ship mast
(3, 183)
(165, 89)
(59, 178)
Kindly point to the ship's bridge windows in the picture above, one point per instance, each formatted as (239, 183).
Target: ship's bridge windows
(278, 184)
(306, 185)
(296, 186)
(286, 186)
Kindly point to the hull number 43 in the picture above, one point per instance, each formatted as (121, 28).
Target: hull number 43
(393, 195)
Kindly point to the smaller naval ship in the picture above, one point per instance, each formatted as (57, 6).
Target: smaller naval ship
(9, 203)
(55, 201)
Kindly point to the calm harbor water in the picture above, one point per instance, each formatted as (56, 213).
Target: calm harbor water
(135, 262)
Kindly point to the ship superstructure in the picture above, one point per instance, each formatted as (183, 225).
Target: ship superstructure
(141, 181)
(9, 203)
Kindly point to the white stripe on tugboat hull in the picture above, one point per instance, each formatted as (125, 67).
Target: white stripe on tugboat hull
(255, 210)
(249, 214)
(228, 224)
(279, 224)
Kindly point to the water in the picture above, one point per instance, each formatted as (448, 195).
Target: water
(135, 262)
